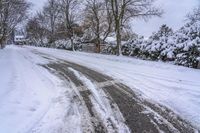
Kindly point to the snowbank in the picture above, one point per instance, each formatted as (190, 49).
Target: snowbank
(31, 99)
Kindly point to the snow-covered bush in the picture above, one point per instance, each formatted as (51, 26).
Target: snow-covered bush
(160, 45)
(183, 46)
(63, 44)
(66, 44)
(133, 47)
(189, 58)
(110, 49)
(126, 49)
(188, 45)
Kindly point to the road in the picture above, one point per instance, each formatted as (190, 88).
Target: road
(126, 111)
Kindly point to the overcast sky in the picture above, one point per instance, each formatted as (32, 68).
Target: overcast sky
(174, 16)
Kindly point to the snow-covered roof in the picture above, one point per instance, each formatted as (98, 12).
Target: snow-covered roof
(110, 39)
(19, 36)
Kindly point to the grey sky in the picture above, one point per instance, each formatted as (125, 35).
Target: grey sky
(174, 16)
(175, 12)
(37, 4)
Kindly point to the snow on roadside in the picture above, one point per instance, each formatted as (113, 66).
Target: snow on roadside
(30, 97)
(102, 106)
(174, 86)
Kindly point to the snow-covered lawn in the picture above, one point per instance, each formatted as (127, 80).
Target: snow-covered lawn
(174, 86)
(31, 99)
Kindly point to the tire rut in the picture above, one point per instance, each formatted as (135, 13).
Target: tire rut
(85, 95)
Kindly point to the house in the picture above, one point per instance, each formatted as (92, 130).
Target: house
(20, 39)
(91, 47)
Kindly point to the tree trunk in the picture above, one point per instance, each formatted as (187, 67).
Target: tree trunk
(72, 43)
(1, 43)
(118, 36)
(98, 45)
(98, 48)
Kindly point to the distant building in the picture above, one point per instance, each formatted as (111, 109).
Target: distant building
(91, 47)
(20, 39)
(88, 47)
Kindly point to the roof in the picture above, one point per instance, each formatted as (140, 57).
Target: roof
(19, 36)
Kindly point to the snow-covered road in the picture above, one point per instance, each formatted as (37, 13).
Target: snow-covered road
(34, 100)
(176, 87)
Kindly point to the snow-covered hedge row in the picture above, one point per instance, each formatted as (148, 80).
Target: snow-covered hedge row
(59, 44)
(182, 46)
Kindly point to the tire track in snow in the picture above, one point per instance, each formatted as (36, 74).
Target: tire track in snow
(98, 126)
(103, 110)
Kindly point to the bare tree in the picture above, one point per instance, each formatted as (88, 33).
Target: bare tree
(69, 11)
(194, 15)
(36, 30)
(12, 12)
(51, 14)
(124, 10)
(99, 18)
